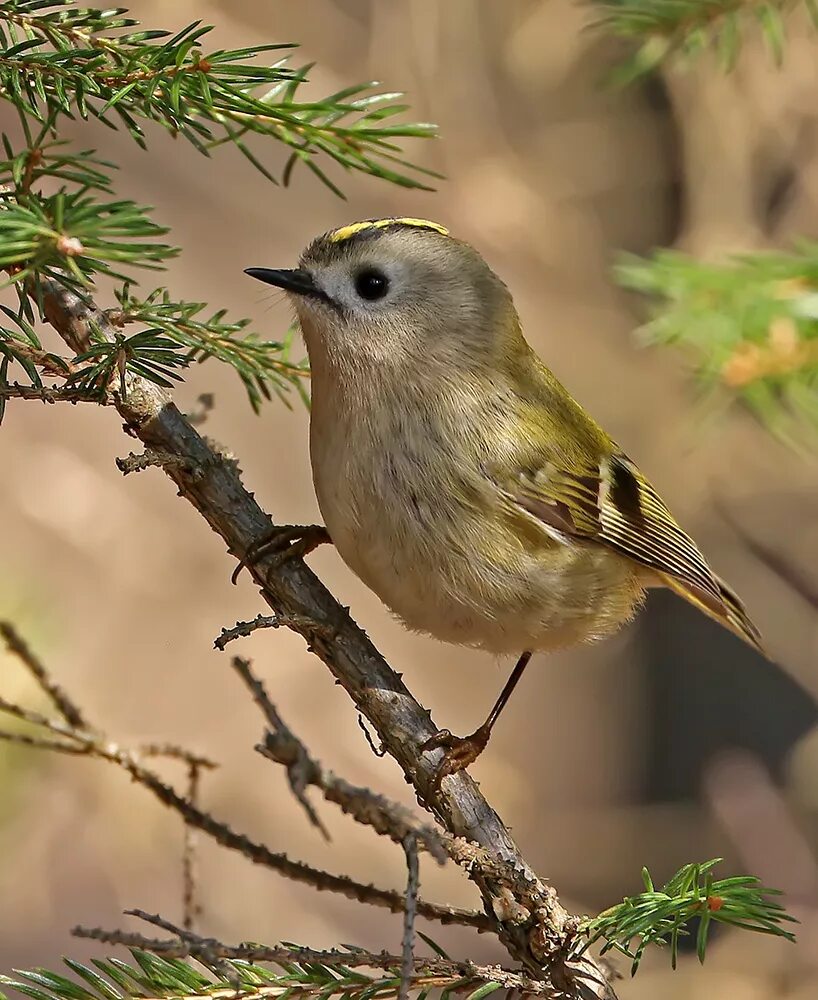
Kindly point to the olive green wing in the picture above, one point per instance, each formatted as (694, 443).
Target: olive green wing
(614, 505)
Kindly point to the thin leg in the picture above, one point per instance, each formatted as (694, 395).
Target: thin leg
(286, 541)
(461, 751)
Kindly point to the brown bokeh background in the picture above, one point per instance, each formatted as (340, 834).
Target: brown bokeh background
(669, 743)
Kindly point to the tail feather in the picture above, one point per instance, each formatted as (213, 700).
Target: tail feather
(728, 612)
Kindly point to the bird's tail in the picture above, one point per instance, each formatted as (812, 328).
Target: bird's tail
(728, 612)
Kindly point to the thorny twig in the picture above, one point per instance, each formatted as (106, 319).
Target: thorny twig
(173, 752)
(150, 458)
(191, 908)
(18, 647)
(85, 742)
(410, 847)
(297, 761)
(298, 622)
(365, 806)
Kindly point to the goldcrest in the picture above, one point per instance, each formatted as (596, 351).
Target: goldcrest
(456, 475)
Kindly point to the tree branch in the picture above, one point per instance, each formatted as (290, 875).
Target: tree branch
(388, 818)
(18, 647)
(65, 738)
(536, 930)
(209, 951)
(48, 394)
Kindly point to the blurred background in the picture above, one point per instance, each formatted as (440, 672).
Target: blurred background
(668, 744)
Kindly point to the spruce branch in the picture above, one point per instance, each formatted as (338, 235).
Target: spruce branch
(328, 964)
(748, 325)
(60, 59)
(662, 916)
(680, 30)
(264, 366)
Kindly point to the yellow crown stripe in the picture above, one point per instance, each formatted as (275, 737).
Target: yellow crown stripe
(346, 232)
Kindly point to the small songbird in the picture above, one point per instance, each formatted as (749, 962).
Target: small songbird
(456, 476)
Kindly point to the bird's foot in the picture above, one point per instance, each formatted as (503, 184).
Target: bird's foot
(461, 751)
(284, 542)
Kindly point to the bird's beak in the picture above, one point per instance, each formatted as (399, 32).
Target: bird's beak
(296, 281)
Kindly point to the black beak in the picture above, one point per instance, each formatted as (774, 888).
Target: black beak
(295, 281)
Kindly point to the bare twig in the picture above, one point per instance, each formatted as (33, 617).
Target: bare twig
(297, 760)
(173, 752)
(150, 458)
(204, 952)
(40, 743)
(185, 933)
(51, 364)
(374, 810)
(94, 745)
(298, 623)
(19, 648)
(410, 847)
(542, 941)
(81, 741)
(191, 907)
(365, 806)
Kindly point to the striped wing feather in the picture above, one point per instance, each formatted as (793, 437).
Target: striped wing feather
(616, 506)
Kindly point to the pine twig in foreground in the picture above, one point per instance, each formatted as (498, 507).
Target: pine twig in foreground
(210, 952)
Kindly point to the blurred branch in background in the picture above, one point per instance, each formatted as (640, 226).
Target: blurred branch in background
(761, 824)
(746, 320)
(684, 29)
(748, 326)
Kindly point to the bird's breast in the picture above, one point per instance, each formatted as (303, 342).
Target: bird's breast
(412, 511)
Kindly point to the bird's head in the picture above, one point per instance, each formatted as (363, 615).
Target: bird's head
(395, 290)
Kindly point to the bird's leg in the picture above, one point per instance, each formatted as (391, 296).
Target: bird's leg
(461, 751)
(285, 542)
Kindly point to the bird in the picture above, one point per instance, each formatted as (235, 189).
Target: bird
(456, 476)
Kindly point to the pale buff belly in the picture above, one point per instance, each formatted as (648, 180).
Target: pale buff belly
(432, 567)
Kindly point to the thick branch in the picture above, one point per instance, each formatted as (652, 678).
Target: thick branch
(537, 930)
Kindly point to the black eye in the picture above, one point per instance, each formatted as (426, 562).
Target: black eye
(371, 284)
